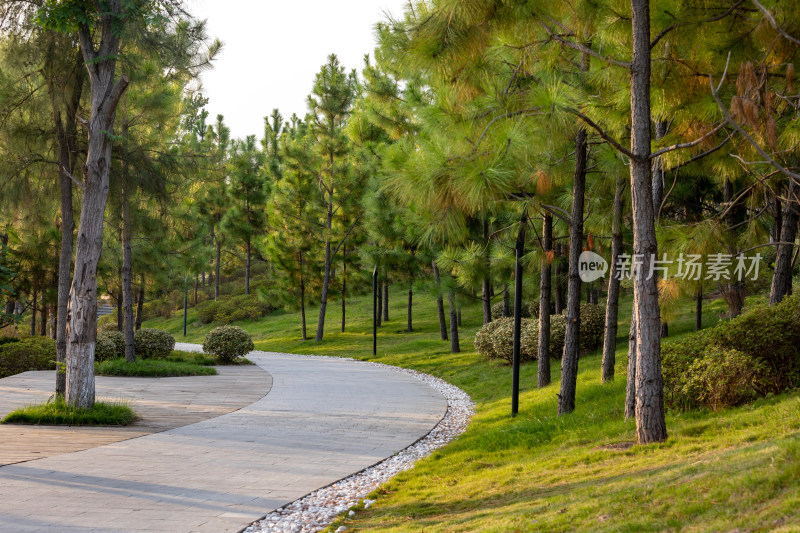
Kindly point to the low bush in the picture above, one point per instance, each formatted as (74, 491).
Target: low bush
(593, 324)
(153, 343)
(107, 323)
(233, 309)
(8, 340)
(228, 343)
(110, 345)
(737, 361)
(495, 340)
(57, 412)
(157, 308)
(30, 353)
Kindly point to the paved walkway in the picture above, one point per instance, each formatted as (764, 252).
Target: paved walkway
(162, 404)
(322, 420)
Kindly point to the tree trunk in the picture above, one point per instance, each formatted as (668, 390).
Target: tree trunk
(196, 284)
(217, 269)
(486, 285)
(249, 254)
(105, 95)
(127, 273)
(344, 287)
(698, 310)
(326, 279)
(439, 302)
(782, 277)
(454, 345)
(303, 297)
(630, 388)
(34, 310)
(506, 301)
(612, 303)
(658, 171)
(386, 298)
(544, 303)
(569, 361)
(650, 423)
(734, 289)
(560, 299)
(459, 315)
(67, 134)
(410, 302)
(43, 318)
(140, 304)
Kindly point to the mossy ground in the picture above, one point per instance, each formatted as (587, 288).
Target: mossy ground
(719, 471)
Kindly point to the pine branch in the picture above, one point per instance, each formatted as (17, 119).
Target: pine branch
(681, 146)
(600, 131)
(771, 19)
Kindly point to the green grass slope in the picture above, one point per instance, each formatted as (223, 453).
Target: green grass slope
(736, 469)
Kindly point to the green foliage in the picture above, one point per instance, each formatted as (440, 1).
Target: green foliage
(153, 343)
(735, 362)
(157, 308)
(229, 343)
(593, 323)
(107, 323)
(31, 353)
(497, 309)
(8, 340)
(152, 368)
(57, 412)
(110, 345)
(234, 309)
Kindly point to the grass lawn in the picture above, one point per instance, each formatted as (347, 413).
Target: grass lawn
(719, 471)
(152, 368)
(57, 412)
(204, 359)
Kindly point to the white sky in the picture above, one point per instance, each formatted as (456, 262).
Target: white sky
(274, 48)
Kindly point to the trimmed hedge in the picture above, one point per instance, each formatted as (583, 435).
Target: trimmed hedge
(735, 362)
(110, 345)
(229, 343)
(152, 343)
(31, 353)
(495, 340)
(233, 309)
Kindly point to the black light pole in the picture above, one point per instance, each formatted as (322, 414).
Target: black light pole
(375, 311)
(185, 303)
(517, 317)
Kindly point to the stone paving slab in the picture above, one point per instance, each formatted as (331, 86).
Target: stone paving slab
(162, 403)
(323, 420)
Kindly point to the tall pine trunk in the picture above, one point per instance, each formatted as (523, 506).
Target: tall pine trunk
(544, 303)
(344, 287)
(303, 297)
(782, 277)
(140, 304)
(612, 302)
(486, 285)
(105, 95)
(439, 302)
(569, 361)
(218, 260)
(67, 135)
(454, 344)
(560, 303)
(34, 309)
(734, 289)
(127, 273)
(698, 310)
(650, 423)
(326, 279)
(248, 259)
(385, 300)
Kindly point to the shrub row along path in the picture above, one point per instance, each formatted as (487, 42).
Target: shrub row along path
(322, 419)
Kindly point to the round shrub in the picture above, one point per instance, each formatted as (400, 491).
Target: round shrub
(30, 353)
(229, 343)
(110, 345)
(107, 325)
(497, 310)
(593, 324)
(483, 340)
(153, 343)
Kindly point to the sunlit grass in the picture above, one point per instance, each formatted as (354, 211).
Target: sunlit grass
(57, 412)
(719, 471)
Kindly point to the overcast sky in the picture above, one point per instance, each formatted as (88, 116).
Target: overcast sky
(273, 48)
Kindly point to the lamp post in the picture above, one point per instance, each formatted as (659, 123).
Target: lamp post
(185, 302)
(375, 311)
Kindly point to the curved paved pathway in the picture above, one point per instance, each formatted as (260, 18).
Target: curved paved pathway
(322, 420)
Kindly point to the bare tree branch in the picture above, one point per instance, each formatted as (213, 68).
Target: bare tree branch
(600, 131)
(681, 146)
(771, 19)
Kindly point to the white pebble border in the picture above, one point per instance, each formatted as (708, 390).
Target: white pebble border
(317, 510)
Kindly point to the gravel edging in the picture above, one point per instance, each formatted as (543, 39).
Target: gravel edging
(317, 510)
